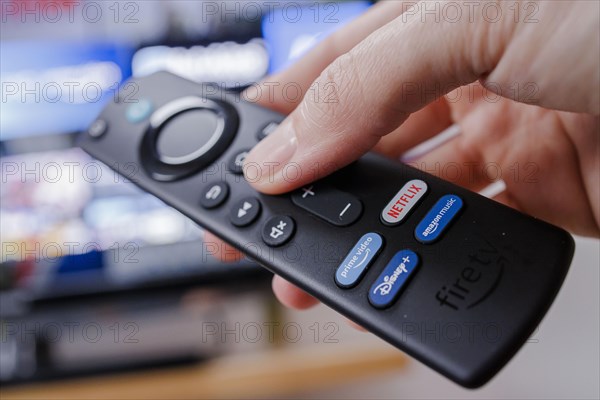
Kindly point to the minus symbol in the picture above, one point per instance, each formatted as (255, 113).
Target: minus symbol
(344, 210)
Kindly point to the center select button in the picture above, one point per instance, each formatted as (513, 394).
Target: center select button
(188, 136)
(401, 204)
(358, 260)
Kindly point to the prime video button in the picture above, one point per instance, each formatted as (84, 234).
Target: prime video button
(358, 259)
(438, 218)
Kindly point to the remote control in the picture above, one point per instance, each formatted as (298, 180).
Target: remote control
(454, 279)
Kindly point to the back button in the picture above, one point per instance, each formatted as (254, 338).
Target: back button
(214, 195)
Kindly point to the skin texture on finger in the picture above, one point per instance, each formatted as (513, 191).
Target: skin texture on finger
(302, 73)
(584, 132)
(455, 162)
(369, 99)
(221, 250)
(531, 149)
(580, 185)
(539, 163)
(419, 127)
(355, 325)
(544, 72)
(292, 296)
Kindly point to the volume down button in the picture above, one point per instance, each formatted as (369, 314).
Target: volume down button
(334, 206)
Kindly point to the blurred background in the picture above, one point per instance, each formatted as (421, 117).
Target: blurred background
(105, 292)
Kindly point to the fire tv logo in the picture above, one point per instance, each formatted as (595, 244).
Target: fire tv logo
(476, 281)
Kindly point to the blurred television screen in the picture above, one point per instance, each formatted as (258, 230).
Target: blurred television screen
(71, 227)
(63, 61)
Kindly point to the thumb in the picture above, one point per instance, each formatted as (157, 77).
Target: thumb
(367, 93)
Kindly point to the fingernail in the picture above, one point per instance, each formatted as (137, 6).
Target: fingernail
(265, 161)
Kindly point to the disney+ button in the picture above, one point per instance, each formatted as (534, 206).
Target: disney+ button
(394, 276)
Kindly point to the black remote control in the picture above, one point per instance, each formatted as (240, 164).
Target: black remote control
(452, 278)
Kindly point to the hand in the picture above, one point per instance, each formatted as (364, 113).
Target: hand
(399, 78)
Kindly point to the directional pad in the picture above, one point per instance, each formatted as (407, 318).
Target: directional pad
(186, 135)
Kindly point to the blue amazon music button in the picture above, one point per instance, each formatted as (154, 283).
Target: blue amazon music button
(438, 218)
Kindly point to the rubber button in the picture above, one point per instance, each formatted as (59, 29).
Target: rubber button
(401, 204)
(334, 206)
(353, 268)
(236, 162)
(214, 195)
(396, 273)
(267, 130)
(438, 218)
(245, 211)
(139, 111)
(278, 230)
(188, 136)
(98, 128)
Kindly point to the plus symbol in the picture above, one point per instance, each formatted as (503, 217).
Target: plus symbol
(307, 191)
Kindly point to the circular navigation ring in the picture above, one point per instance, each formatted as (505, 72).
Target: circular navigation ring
(186, 135)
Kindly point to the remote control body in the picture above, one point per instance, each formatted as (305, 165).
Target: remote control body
(454, 279)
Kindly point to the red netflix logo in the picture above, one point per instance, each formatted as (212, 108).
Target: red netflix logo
(401, 204)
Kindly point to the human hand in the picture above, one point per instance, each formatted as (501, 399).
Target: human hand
(523, 90)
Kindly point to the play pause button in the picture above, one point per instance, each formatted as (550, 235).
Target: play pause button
(245, 211)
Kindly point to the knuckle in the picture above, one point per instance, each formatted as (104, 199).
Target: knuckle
(332, 103)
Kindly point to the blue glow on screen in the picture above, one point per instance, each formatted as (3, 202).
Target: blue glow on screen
(57, 87)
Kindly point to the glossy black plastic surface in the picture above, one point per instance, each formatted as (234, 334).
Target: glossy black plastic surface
(478, 294)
